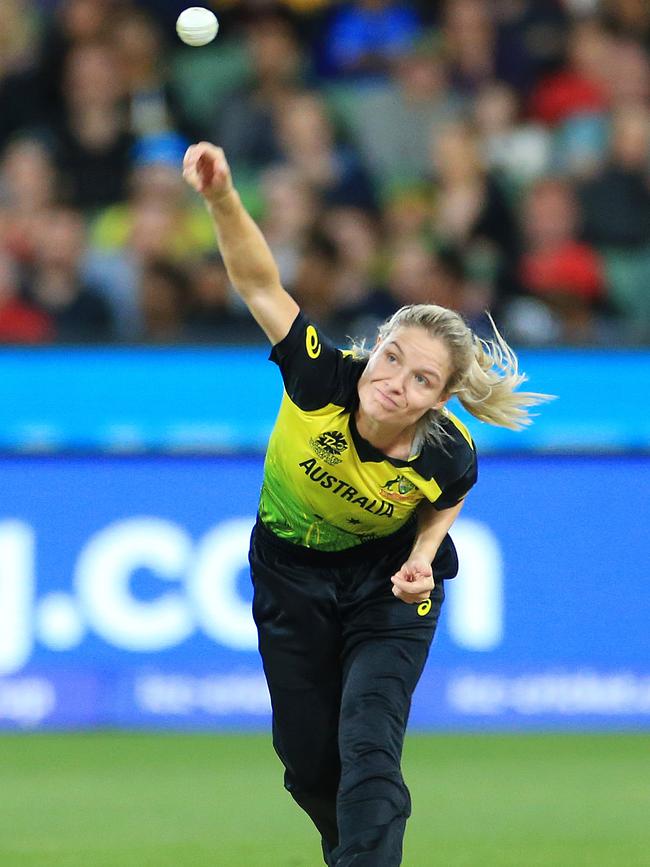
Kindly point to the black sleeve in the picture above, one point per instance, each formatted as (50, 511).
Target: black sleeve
(315, 373)
(454, 492)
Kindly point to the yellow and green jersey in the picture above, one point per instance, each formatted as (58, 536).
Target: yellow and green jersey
(325, 487)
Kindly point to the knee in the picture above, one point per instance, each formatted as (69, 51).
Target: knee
(304, 775)
(314, 782)
(372, 723)
(373, 787)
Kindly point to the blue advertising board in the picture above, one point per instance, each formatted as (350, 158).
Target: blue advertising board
(125, 596)
(195, 399)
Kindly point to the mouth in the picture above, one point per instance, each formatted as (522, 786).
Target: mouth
(385, 400)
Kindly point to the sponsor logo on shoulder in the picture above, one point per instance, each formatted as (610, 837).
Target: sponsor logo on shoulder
(312, 342)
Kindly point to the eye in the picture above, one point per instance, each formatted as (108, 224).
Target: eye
(421, 380)
(391, 357)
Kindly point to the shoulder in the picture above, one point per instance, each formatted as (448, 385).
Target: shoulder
(315, 372)
(452, 463)
(458, 432)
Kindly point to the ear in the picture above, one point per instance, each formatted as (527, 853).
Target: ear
(443, 400)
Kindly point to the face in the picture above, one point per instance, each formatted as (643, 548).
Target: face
(92, 77)
(549, 215)
(61, 239)
(405, 377)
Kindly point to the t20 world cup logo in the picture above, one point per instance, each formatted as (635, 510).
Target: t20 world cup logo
(329, 445)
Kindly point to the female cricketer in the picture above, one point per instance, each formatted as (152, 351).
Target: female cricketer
(365, 473)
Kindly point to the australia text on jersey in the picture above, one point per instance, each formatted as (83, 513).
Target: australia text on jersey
(338, 486)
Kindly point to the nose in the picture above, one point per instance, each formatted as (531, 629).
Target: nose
(397, 383)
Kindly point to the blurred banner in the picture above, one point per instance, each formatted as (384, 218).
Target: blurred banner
(125, 596)
(200, 399)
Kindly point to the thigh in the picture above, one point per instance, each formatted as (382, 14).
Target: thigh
(386, 644)
(379, 679)
(386, 648)
(295, 611)
(300, 642)
(370, 612)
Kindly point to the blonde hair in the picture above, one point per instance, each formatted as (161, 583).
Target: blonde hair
(484, 375)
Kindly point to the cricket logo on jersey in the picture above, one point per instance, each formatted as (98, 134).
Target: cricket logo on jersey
(399, 490)
(329, 445)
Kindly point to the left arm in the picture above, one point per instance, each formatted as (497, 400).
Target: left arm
(414, 581)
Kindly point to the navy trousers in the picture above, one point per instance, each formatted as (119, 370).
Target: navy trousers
(342, 657)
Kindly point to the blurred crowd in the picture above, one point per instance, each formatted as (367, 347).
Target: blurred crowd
(488, 155)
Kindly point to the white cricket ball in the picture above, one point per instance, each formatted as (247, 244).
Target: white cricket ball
(197, 26)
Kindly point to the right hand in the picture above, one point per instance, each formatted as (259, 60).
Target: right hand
(206, 170)
(413, 582)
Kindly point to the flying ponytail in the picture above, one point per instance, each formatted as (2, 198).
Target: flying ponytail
(488, 388)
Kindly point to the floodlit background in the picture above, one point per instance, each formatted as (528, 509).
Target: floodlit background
(488, 155)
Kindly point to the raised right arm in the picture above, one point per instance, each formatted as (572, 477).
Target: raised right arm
(246, 255)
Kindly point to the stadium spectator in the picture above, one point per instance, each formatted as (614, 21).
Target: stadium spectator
(365, 36)
(470, 39)
(315, 281)
(411, 274)
(154, 179)
(54, 283)
(471, 213)
(21, 90)
(20, 321)
(556, 266)
(362, 298)
(407, 212)
(628, 17)
(629, 77)
(416, 271)
(164, 293)
(91, 137)
(69, 24)
(290, 212)
(616, 208)
(212, 312)
(394, 121)
(529, 40)
(515, 150)
(29, 184)
(246, 119)
(151, 104)
(152, 233)
(159, 220)
(616, 202)
(308, 142)
(581, 86)
(582, 140)
(357, 236)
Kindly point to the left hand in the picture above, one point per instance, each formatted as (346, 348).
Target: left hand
(413, 582)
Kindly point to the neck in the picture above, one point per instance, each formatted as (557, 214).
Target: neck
(392, 441)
